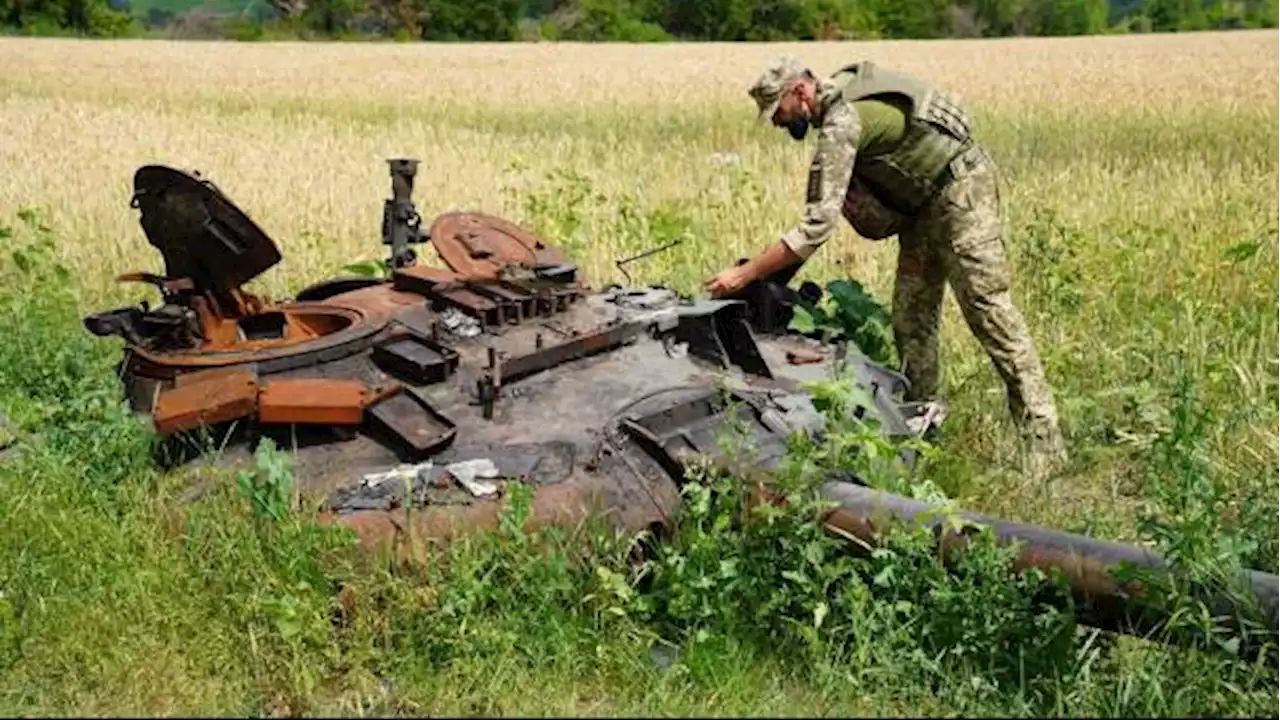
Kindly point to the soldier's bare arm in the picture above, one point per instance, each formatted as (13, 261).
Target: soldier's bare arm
(773, 259)
(829, 176)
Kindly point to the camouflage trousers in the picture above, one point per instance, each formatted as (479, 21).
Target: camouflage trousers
(958, 239)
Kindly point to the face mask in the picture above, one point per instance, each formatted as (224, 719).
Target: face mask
(798, 127)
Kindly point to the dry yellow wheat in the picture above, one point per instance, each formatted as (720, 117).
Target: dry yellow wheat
(297, 133)
(1164, 70)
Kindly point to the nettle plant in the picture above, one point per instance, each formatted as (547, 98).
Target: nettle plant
(269, 487)
(848, 311)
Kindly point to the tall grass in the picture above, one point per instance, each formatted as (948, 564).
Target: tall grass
(1141, 219)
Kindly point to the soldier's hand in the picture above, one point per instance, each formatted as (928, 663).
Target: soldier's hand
(728, 282)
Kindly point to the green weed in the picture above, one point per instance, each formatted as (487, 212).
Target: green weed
(849, 312)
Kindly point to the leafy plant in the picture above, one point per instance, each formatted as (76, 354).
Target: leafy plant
(1241, 252)
(369, 268)
(854, 443)
(269, 488)
(1050, 250)
(849, 311)
(743, 573)
(1188, 504)
(556, 206)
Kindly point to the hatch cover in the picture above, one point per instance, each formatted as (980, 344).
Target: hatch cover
(477, 245)
(201, 234)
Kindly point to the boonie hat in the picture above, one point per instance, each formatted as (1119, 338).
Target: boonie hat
(767, 89)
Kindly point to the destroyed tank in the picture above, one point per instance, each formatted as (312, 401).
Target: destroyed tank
(504, 355)
(432, 388)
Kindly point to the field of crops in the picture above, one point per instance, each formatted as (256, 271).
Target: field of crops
(1140, 198)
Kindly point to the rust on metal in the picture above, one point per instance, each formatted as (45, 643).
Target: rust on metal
(378, 393)
(205, 402)
(477, 306)
(569, 503)
(330, 325)
(422, 279)
(312, 401)
(513, 306)
(548, 357)
(224, 374)
(478, 246)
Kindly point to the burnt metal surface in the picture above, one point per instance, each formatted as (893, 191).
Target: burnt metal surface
(401, 224)
(544, 358)
(541, 464)
(717, 330)
(416, 359)
(479, 246)
(200, 233)
(408, 420)
(504, 361)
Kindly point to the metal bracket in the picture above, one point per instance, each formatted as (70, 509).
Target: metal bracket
(401, 224)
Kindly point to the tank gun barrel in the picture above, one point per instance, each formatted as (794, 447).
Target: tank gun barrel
(1087, 564)
(1101, 599)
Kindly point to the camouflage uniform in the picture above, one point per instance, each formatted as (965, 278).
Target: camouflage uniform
(951, 232)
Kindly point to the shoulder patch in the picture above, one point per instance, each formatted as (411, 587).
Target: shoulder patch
(813, 191)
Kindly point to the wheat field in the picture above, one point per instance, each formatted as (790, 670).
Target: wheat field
(297, 134)
(611, 148)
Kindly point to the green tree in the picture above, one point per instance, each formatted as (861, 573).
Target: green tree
(914, 18)
(472, 20)
(608, 20)
(1260, 13)
(709, 19)
(1070, 17)
(1175, 15)
(94, 18)
(331, 17)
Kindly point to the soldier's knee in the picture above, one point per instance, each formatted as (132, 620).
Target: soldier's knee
(985, 286)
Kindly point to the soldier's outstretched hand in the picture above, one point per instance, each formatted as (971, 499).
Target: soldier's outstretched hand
(727, 282)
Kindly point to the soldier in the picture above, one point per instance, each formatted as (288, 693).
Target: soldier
(896, 157)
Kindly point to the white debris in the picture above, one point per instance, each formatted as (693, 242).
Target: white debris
(399, 472)
(467, 471)
(932, 415)
(726, 158)
(459, 323)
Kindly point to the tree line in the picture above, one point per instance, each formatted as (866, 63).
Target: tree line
(627, 20)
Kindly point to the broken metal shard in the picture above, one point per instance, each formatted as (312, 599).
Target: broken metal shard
(501, 367)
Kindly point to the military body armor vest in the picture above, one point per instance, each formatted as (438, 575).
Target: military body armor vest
(937, 131)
